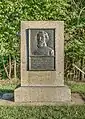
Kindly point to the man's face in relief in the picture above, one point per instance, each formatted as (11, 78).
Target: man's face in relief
(40, 39)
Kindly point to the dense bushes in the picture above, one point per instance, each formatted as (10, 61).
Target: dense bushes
(12, 12)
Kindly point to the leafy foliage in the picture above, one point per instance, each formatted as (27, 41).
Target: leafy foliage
(12, 12)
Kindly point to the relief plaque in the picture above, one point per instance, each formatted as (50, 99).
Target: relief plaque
(40, 49)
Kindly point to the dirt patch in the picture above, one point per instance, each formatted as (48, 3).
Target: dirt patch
(77, 98)
(7, 81)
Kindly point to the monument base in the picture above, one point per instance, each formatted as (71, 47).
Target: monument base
(42, 94)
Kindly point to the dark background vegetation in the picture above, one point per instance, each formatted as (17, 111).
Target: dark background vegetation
(12, 12)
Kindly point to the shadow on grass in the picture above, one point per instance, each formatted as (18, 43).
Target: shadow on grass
(18, 86)
(82, 96)
(2, 91)
(7, 91)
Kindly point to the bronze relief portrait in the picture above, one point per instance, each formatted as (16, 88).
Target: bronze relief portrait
(42, 38)
(41, 49)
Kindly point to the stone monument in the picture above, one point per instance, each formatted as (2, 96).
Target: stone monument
(42, 63)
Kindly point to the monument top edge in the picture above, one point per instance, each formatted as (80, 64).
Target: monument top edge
(43, 21)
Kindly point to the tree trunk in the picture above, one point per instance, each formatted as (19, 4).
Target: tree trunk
(83, 69)
(81, 62)
(10, 66)
(15, 72)
(5, 69)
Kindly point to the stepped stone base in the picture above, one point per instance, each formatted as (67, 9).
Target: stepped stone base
(42, 94)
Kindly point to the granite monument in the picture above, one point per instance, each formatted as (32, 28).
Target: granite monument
(42, 63)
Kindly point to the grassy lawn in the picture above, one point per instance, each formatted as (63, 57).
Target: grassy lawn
(8, 86)
(78, 87)
(42, 112)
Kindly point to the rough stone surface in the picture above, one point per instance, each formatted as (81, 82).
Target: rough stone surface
(42, 86)
(7, 96)
(43, 77)
(43, 94)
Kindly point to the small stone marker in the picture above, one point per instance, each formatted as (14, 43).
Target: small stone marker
(42, 63)
(7, 96)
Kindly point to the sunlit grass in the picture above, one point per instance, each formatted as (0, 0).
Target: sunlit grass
(42, 112)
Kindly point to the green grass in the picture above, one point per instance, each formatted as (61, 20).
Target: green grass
(8, 86)
(78, 87)
(42, 112)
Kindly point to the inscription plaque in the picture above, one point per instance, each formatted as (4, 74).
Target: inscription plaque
(41, 49)
(42, 63)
